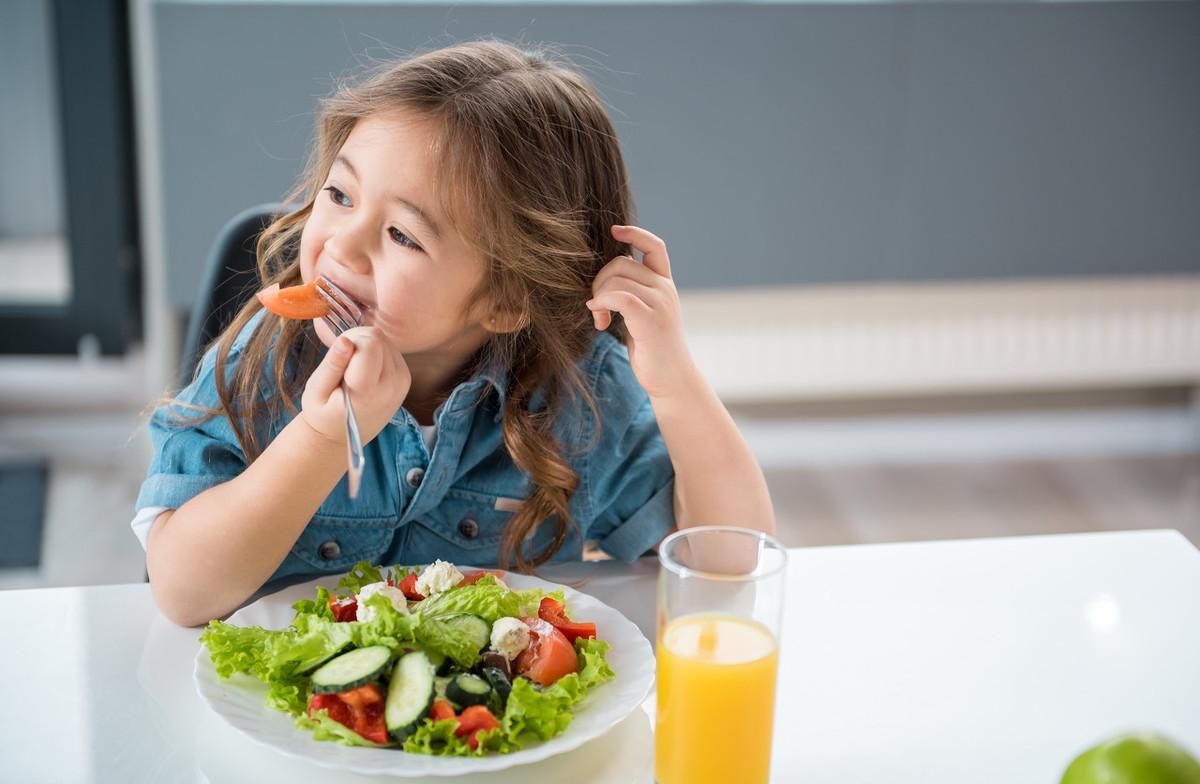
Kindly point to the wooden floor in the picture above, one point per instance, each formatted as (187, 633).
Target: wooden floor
(863, 504)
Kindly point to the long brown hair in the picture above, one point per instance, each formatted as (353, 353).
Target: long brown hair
(533, 178)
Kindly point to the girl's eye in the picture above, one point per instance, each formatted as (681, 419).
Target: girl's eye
(337, 197)
(402, 239)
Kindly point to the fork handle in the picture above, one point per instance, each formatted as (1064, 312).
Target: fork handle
(354, 446)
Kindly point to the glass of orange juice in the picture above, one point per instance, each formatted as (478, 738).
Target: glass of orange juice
(720, 603)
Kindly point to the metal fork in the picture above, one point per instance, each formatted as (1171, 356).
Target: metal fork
(344, 314)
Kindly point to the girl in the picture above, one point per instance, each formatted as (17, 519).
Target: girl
(521, 381)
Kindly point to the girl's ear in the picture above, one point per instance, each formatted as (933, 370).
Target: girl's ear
(505, 322)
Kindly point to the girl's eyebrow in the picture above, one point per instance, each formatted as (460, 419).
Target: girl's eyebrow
(413, 208)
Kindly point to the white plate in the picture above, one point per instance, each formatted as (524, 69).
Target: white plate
(240, 700)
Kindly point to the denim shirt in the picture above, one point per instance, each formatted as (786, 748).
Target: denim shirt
(414, 507)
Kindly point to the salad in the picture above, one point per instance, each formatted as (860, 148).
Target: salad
(428, 661)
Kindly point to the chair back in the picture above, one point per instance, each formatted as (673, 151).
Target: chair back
(230, 278)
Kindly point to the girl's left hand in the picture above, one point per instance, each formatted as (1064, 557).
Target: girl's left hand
(645, 296)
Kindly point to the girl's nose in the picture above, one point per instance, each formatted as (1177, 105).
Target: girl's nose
(348, 252)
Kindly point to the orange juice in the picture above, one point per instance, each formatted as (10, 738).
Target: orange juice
(716, 701)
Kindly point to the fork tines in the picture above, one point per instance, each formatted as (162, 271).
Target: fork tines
(343, 311)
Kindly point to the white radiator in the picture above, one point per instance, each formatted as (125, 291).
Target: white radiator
(758, 345)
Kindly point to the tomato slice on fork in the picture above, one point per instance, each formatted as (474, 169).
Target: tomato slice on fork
(294, 302)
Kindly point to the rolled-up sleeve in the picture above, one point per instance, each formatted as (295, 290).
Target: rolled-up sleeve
(629, 480)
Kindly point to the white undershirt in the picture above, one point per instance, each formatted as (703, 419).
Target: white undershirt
(144, 519)
(429, 436)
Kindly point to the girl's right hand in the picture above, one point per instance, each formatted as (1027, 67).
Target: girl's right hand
(376, 376)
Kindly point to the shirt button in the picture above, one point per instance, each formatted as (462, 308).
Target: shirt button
(468, 528)
(414, 477)
(329, 550)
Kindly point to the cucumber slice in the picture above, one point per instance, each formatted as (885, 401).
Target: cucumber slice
(309, 666)
(466, 689)
(479, 630)
(351, 670)
(410, 693)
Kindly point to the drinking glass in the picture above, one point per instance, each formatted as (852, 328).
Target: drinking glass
(720, 604)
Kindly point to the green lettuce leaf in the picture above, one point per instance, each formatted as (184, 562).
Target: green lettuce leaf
(389, 627)
(544, 712)
(438, 738)
(443, 638)
(320, 607)
(547, 711)
(593, 664)
(496, 741)
(363, 573)
(289, 696)
(487, 598)
(282, 658)
(238, 648)
(272, 655)
(313, 641)
(275, 657)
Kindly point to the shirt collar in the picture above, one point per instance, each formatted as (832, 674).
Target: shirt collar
(493, 374)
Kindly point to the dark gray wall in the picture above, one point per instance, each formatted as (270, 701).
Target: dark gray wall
(768, 144)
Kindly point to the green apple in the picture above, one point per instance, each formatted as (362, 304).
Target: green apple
(1136, 758)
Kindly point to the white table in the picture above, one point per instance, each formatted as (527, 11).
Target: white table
(968, 661)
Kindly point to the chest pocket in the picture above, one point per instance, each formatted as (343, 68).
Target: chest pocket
(332, 543)
(466, 526)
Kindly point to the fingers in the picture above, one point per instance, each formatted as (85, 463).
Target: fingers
(325, 379)
(631, 307)
(647, 294)
(625, 266)
(654, 250)
(367, 368)
(625, 274)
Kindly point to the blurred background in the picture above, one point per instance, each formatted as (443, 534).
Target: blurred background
(941, 260)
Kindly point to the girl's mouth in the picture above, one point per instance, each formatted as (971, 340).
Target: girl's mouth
(365, 307)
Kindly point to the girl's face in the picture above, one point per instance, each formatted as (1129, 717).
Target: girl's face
(373, 231)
